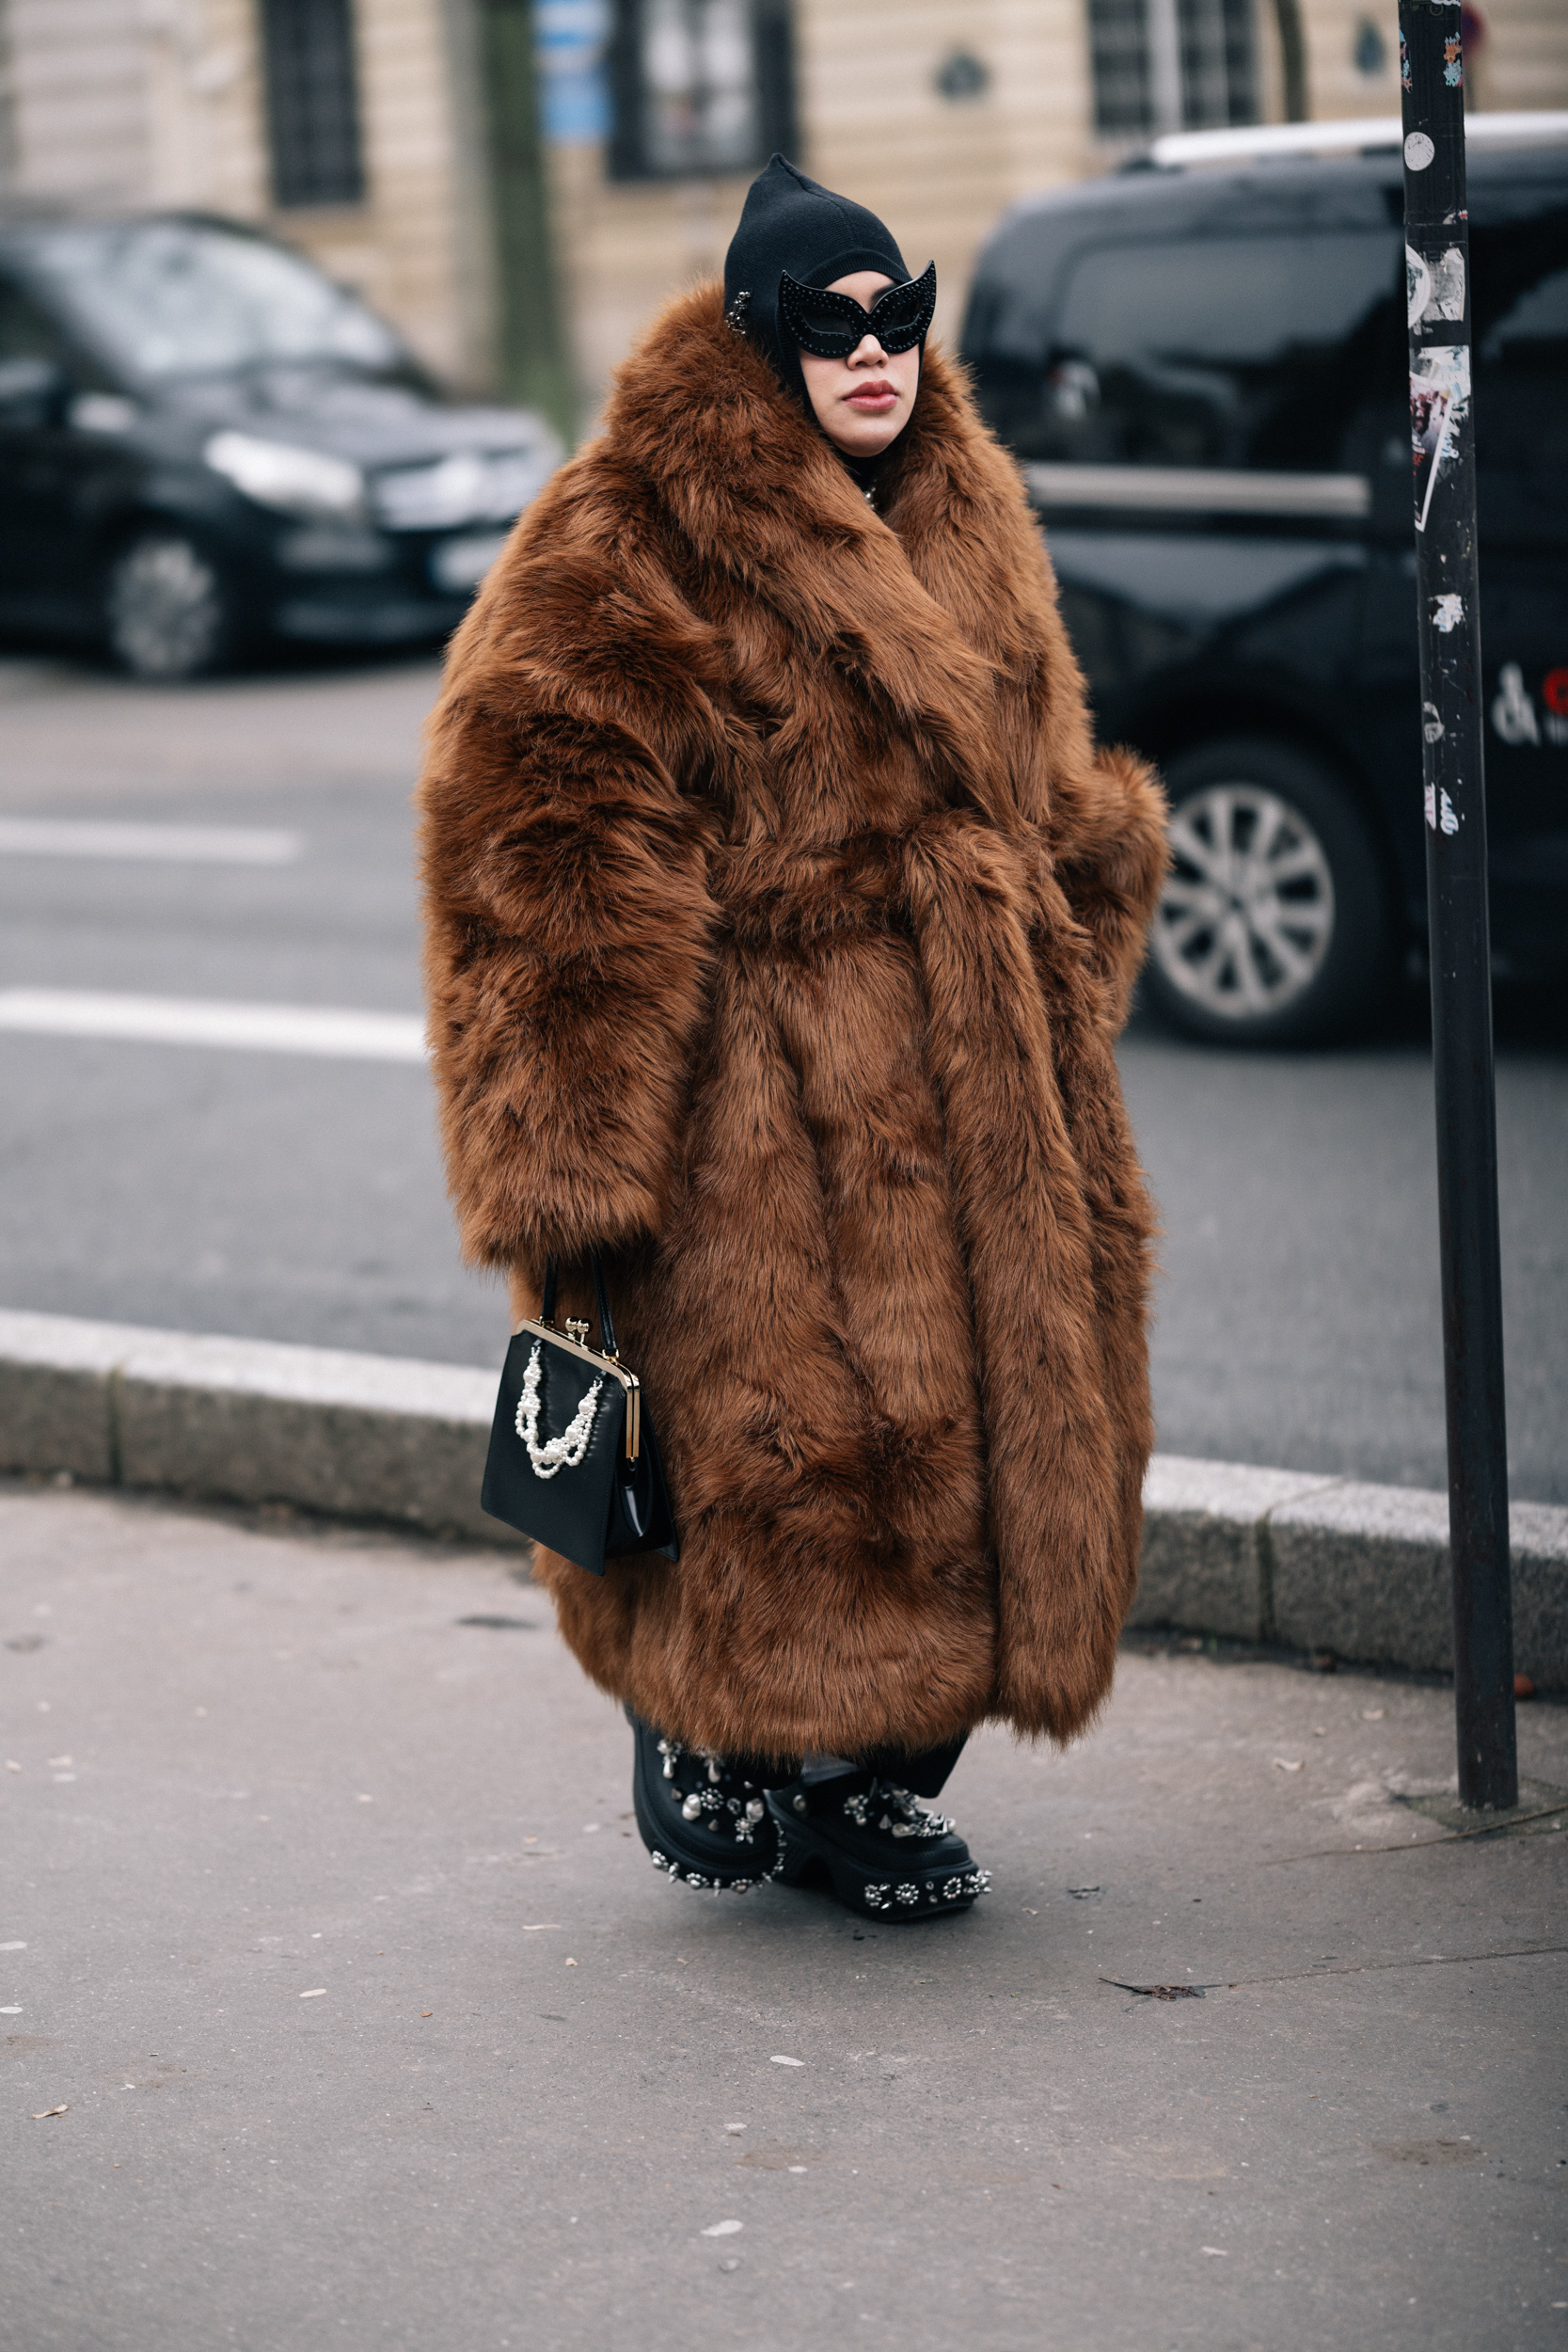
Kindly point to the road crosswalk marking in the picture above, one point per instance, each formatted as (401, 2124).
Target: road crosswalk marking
(198, 1021)
(174, 844)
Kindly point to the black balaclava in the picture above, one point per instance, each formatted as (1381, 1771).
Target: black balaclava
(789, 223)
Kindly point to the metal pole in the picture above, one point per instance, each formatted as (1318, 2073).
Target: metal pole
(1165, 64)
(1438, 265)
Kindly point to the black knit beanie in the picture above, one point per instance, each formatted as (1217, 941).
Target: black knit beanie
(789, 223)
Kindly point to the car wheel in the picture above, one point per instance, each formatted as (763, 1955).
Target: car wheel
(1272, 925)
(166, 609)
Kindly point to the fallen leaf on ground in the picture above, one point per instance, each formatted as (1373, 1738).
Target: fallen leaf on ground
(1429, 2151)
(427, 2012)
(770, 2156)
(47, 2112)
(1523, 1687)
(1218, 2250)
(316, 1993)
(722, 2228)
(1288, 1764)
(1158, 1992)
(787, 2062)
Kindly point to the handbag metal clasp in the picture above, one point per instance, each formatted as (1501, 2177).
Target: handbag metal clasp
(578, 1332)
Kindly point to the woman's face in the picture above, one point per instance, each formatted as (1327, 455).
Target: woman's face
(862, 402)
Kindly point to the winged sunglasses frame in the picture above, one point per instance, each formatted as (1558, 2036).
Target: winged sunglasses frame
(899, 318)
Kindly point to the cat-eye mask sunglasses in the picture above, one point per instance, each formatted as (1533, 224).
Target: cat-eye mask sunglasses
(831, 326)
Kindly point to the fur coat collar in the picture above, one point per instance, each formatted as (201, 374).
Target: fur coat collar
(780, 913)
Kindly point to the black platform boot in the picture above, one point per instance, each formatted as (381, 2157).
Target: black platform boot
(879, 1850)
(701, 1818)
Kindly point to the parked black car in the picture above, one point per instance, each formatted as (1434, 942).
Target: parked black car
(204, 442)
(1203, 366)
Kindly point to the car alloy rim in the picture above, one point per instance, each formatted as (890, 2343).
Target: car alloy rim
(1246, 917)
(165, 608)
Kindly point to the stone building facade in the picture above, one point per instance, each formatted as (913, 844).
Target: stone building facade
(386, 137)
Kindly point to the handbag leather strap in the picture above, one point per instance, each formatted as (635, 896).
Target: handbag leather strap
(547, 1305)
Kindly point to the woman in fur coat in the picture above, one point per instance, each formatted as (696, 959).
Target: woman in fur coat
(781, 914)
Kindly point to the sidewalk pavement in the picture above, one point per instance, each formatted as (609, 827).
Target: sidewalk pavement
(327, 1929)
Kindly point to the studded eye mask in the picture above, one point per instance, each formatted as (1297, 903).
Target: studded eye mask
(831, 326)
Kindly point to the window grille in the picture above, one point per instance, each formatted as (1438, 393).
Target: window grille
(1171, 65)
(700, 86)
(312, 101)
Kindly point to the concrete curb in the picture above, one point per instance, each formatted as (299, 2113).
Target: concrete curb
(248, 1420)
(1260, 1555)
(1333, 1564)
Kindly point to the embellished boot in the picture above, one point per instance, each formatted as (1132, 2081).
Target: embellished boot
(701, 1818)
(878, 1850)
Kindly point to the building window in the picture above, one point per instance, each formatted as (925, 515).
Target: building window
(700, 86)
(312, 101)
(1171, 65)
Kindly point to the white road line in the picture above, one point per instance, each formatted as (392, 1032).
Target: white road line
(175, 845)
(193, 1021)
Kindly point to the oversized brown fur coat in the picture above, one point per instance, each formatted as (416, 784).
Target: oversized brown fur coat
(781, 917)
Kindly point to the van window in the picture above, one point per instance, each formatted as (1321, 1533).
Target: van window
(25, 331)
(1222, 351)
(1521, 365)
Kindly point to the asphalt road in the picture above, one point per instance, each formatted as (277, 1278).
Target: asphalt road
(286, 1196)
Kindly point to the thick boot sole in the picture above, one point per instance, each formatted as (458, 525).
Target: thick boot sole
(807, 1857)
(669, 1849)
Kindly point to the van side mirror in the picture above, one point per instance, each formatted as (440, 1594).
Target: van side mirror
(33, 391)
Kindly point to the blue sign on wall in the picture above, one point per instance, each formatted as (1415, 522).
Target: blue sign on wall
(573, 96)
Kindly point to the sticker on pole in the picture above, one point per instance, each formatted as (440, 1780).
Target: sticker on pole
(1419, 150)
(1439, 403)
(1433, 290)
(1441, 814)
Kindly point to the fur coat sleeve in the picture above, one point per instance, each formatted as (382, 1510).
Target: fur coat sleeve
(564, 866)
(1104, 817)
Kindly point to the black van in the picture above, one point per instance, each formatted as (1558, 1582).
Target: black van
(1201, 363)
(205, 443)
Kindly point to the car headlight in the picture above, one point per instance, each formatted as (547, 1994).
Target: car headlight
(279, 474)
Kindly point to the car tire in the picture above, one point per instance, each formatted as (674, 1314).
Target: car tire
(1272, 926)
(169, 613)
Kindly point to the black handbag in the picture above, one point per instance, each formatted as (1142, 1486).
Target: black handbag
(573, 1459)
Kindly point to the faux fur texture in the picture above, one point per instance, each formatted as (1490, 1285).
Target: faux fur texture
(781, 917)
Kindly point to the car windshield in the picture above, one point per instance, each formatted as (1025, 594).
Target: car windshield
(180, 298)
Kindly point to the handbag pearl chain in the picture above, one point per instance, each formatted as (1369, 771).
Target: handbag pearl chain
(556, 1453)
